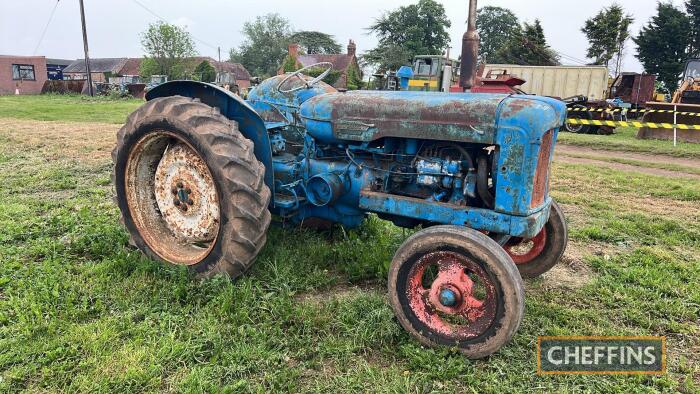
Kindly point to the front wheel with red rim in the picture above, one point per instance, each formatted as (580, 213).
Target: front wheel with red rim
(539, 254)
(453, 286)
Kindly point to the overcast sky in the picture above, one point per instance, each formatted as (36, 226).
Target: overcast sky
(114, 25)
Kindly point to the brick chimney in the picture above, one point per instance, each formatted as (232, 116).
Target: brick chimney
(293, 50)
(352, 48)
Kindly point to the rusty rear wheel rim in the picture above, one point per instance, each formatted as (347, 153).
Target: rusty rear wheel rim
(172, 198)
(523, 251)
(451, 295)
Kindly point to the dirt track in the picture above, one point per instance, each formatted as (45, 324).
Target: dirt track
(573, 149)
(583, 155)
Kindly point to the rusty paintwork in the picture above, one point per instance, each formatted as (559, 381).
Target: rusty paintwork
(633, 88)
(667, 117)
(275, 106)
(523, 251)
(470, 51)
(231, 106)
(474, 310)
(179, 236)
(371, 115)
(540, 185)
(186, 195)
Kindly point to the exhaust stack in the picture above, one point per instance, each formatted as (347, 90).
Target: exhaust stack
(470, 51)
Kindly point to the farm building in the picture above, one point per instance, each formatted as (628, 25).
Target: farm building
(227, 73)
(103, 69)
(345, 63)
(127, 70)
(22, 74)
(55, 67)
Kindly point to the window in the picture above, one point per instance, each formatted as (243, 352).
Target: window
(693, 70)
(23, 72)
(425, 67)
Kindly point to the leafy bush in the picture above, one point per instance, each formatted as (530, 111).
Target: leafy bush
(205, 72)
(330, 79)
(290, 64)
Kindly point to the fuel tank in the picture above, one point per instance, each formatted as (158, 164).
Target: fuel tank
(365, 116)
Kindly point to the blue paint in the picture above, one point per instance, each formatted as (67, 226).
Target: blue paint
(445, 213)
(339, 156)
(405, 73)
(448, 297)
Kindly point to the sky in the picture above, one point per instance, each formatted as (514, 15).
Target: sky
(114, 25)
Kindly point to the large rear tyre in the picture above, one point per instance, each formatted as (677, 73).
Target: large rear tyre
(537, 255)
(453, 286)
(189, 187)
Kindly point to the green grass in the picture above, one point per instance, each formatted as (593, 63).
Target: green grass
(649, 164)
(71, 108)
(81, 311)
(625, 139)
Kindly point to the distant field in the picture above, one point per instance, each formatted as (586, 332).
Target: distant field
(72, 108)
(81, 311)
(624, 140)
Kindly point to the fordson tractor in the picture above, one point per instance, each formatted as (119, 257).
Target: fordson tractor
(199, 173)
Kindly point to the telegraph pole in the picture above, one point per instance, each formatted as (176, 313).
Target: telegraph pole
(85, 47)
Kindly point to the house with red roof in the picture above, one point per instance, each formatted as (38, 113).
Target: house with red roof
(345, 63)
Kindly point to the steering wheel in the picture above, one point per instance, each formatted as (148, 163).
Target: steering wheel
(307, 84)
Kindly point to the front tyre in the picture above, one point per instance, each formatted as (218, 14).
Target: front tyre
(453, 286)
(539, 254)
(189, 187)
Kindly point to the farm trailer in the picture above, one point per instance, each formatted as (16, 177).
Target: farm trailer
(587, 91)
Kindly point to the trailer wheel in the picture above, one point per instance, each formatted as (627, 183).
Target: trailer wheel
(537, 255)
(605, 130)
(453, 286)
(189, 187)
(580, 114)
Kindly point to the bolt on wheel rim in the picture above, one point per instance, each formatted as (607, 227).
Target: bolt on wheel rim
(172, 198)
(452, 295)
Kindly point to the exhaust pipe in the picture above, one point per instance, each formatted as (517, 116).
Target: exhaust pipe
(470, 51)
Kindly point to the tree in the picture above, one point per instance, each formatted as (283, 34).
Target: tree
(692, 7)
(387, 56)
(148, 67)
(168, 48)
(417, 29)
(621, 41)
(354, 78)
(313, 42)
(663, 43)
(497, 28)
(528, 47)
(205, 72)
(607, 33)
(264, 46)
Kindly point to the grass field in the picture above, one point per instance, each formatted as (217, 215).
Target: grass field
(70, 108)
(624, 140)
(80, 311)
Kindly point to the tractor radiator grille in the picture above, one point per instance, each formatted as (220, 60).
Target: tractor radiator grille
(540, 186)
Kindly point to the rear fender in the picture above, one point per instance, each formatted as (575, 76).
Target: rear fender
(233, 107)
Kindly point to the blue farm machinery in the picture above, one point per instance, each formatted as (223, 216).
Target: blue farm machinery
(199, 173)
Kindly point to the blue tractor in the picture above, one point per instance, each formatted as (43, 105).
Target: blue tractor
(199, 173)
